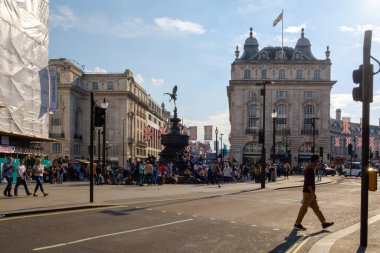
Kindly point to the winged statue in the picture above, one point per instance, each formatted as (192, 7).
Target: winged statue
(173, 95)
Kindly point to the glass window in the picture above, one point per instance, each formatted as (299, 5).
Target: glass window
(253, 94)
(299, 74)
(109, 85)
(310, 94)
(264, 74)
(309, 113)
(95, 85)
(247, 74)
(282, 94)
(252, 119)
(281, 110)
(56, 148)
(281, 74)
(317, 74)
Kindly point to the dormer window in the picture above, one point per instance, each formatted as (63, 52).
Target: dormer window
(264, 56)
(297, 56)
(280, 55)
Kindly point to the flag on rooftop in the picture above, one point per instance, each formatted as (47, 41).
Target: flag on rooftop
(278, 19)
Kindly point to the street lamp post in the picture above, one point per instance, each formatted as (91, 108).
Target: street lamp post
(274, 118)
(216, 144)
(221, 147)
(262, 93)
(104, 105)
(131, 115)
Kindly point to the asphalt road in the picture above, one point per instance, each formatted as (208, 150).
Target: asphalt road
(256, 221)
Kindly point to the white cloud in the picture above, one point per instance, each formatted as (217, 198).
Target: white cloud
(63, 16)
(157, 82)
(358, 30)
(220, 120)
(351, 108)
(139, 79)
(98, 70)
(344, 28)
(247, 9)
(295, 29)
(168, 24)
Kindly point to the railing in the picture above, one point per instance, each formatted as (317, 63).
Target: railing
(141, 144)
(309, 131)
(284, 131)
(251, 131)
(57, 135)
(78, 137)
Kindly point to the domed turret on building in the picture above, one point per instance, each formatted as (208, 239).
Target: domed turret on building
(303, 45)
(251, 47)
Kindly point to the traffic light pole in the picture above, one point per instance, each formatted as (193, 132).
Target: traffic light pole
(92, 148)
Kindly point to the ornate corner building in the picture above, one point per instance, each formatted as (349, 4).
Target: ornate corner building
(132, 116)
(298, 88)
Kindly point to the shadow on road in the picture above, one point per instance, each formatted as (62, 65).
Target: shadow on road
(292, 239)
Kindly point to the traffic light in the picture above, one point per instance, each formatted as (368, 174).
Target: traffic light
(225, 150)
(364, 75)
(376, 153)
(350, 149)
(321, 151)
(100, 115)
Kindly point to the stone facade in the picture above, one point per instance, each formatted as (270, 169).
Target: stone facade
(298, 88)
(130, 110)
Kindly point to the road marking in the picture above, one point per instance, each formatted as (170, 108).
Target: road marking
(112, 234)
(298, 244)
(163, 211)
(195, 216)
(276, 229)
(253, 225)
(179, 213)
(60, 212)
(150, 209)
(212, 218)
(232, 222)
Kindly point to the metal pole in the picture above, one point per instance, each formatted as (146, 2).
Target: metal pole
(221, 147)
(92, 148)
(274, 139)
(313, 124)
(104, 141)
(123, 141)
(98, 146)
(367, 99)
(263, 137)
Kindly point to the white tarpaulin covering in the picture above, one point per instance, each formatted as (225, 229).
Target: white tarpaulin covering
(23, 56)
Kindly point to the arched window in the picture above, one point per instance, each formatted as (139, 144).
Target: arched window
(317, 74)
(264, 74)
(247, 74)
(299, 74)
(281, 74)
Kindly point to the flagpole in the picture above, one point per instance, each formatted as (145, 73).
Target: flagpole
(282, 32)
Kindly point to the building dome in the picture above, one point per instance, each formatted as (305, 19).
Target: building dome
(303, 42)
(251, 47)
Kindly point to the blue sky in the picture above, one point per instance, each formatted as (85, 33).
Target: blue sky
(191, 44)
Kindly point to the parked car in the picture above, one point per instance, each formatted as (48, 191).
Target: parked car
(353, 169)
(329, 171)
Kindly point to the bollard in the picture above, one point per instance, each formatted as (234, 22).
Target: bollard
(372, 179)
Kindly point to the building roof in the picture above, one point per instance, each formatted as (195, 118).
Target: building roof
(302, 50)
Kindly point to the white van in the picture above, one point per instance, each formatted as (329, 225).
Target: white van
(354, 169)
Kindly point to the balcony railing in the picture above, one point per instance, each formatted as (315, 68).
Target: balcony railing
(57, 135)
(309, 131)
(251, 131)
(141, 144)
(284, 131)
(78, 137)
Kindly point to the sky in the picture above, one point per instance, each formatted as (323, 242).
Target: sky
(191, 44)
